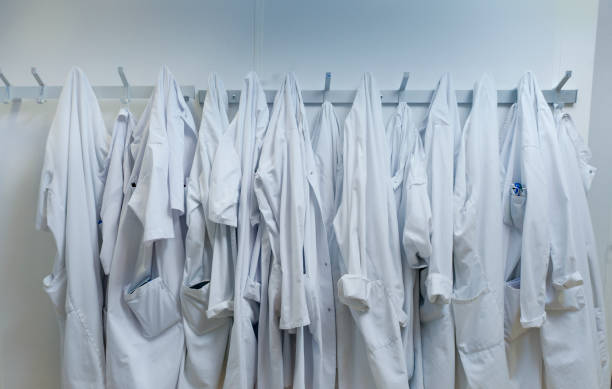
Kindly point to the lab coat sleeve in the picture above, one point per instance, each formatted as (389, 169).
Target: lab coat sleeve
(224, 189)
(51, 214)
(282, 209)
(195, 264)
(112, 197)
(439, 281)
(150, 200)
(416, 236)
(565, 272)
(470, 281)
(51, 211)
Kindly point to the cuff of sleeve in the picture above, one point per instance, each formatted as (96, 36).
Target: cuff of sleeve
(439, 288)
(569, 281)
(402, 317)
(353, 291)
(252, 290)
(533, 323)
(222, 309)
(228, 220)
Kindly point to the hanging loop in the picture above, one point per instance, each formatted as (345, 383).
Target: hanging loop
(126, 86)
(7, 84)
(41, 96)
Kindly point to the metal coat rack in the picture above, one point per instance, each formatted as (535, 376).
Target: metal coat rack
(127, 92)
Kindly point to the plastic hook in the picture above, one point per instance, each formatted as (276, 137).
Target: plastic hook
(7, 84)
(41, 97)
(566, 77)
(327, 85)
(126, 86)
(402, 88)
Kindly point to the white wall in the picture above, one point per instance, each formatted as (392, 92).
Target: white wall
(600, 139)
(194, 38)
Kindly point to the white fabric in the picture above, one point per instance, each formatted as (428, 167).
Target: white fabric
(145, 339)
(367, 233)
(208, 280)
(327, 142)
(71, 185)
(409, 179)
(522, 345)
(440, 132)
(246, 131)
(478, 260)
(526, 229)
(287, 186)
(117, 175)
(581, 359)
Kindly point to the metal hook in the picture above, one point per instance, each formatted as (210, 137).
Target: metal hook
(41, 97)
(566, 77)
(8, 87)
(402, 88)
(126, 98)
(327, 85)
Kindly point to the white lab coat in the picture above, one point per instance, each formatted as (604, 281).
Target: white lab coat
(366, 223)
(409, 179)
(440, 133)
(327, 142)
(526, 236)
(582, 171)
(526, 222)
(116, 178)
(579, 359)
(479, 269)
(247, 131)
(71, 185)
(145, 339)
(567, 362)
(287, 186)
(210, 245)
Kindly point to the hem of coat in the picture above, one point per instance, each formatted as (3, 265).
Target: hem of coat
(439, 288)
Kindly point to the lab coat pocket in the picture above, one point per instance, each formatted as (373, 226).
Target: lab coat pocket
(154, 306)
(379, 326)
(512, 311)
(570, 299)
(600, 321)
(55, 287)
(80, 351)
(515, 213)
(480, 340)
(431, 311)
(475, 323)
(194, 304)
